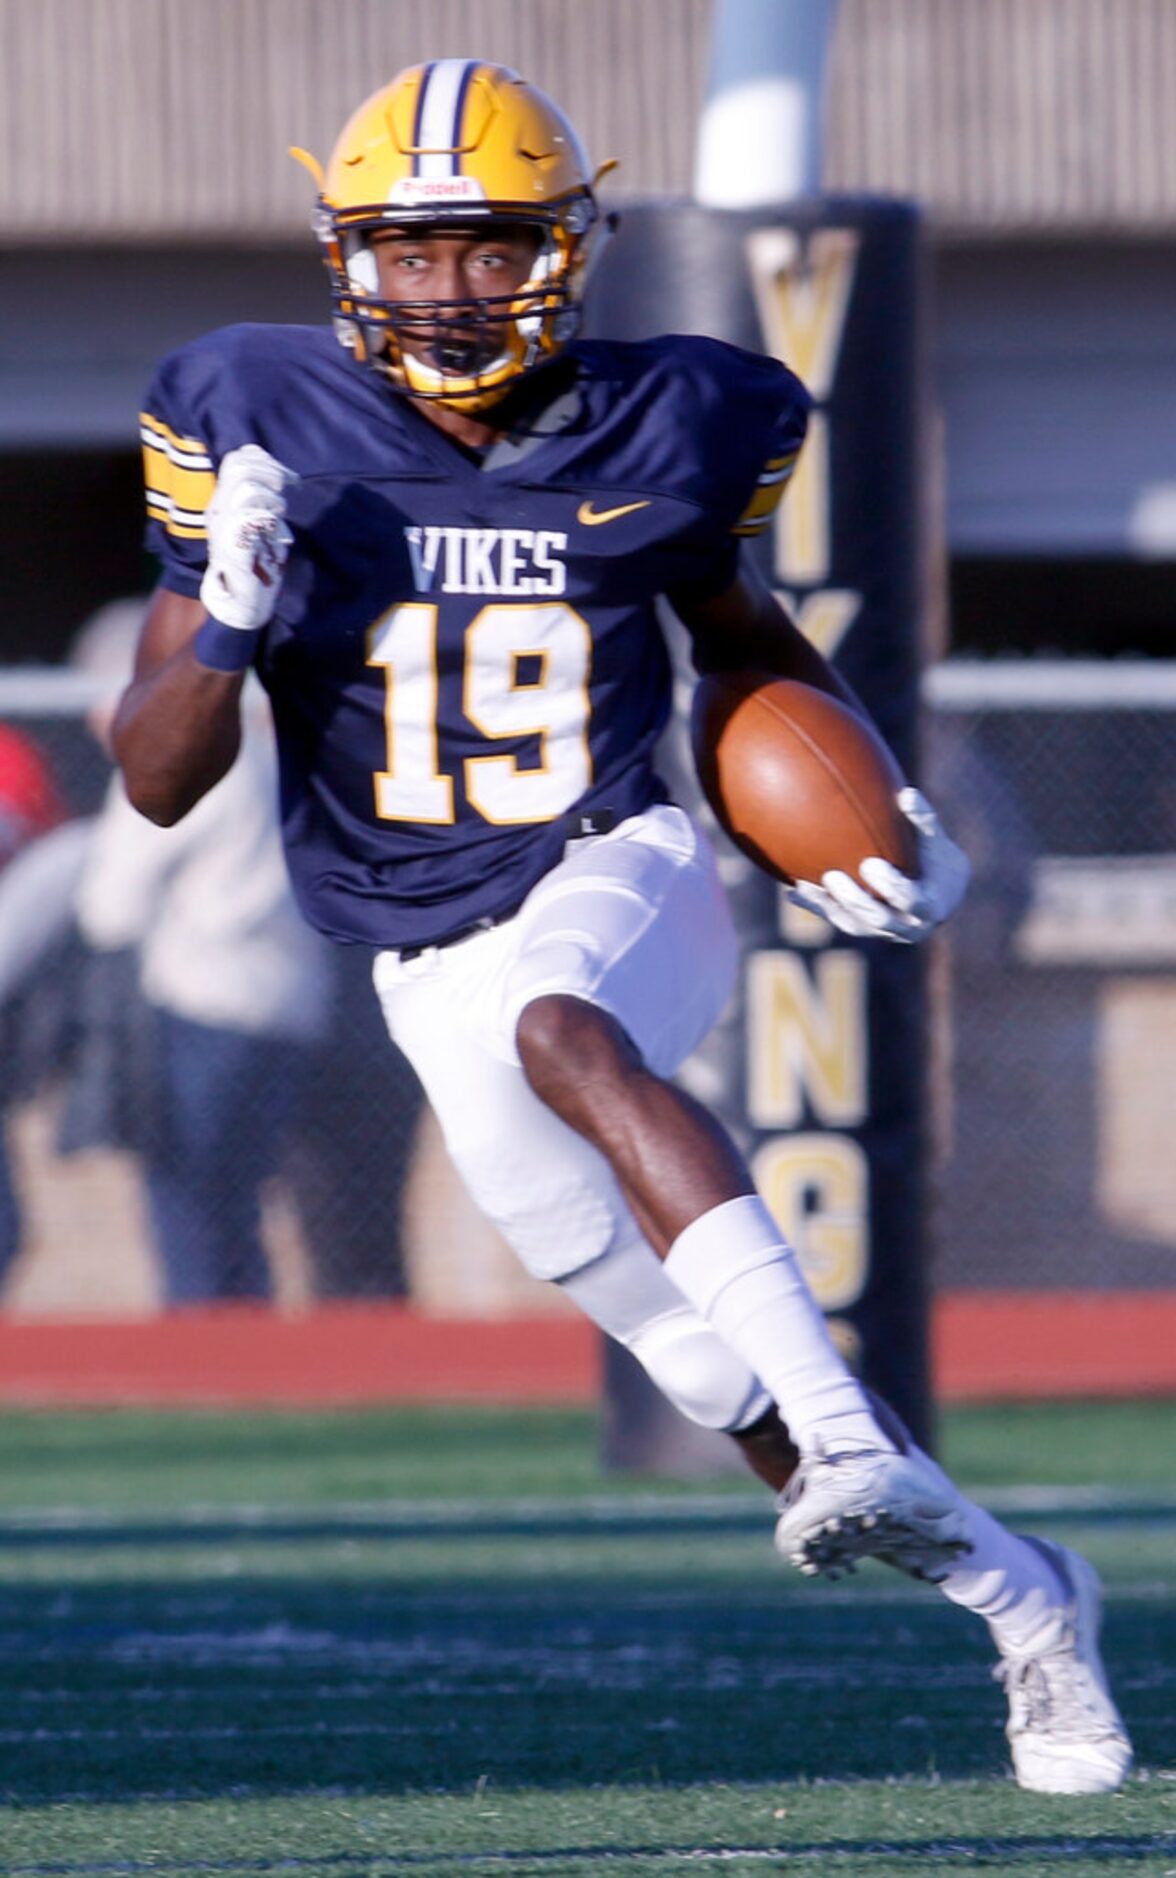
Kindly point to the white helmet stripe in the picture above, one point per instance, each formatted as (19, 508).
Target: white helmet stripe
(439, 117)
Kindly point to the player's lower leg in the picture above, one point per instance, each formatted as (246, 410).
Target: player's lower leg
(854, 1494)
(768, 1449)
(692, 1196)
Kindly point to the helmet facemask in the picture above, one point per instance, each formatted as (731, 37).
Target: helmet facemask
(467, 353)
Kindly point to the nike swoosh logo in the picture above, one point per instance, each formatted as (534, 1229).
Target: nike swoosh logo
(592, 518)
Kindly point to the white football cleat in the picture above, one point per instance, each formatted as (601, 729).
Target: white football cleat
(1064, 1730)
(870, 1503)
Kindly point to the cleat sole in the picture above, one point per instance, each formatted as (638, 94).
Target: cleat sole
(837, 1548)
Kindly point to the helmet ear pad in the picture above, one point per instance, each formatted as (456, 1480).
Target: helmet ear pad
(547, 263)
(362, 271)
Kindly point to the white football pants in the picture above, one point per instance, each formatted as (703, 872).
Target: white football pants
(637, 923)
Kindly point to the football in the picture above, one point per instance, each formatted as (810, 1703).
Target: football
(796, 779)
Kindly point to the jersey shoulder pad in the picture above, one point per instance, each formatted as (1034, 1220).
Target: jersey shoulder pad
(742, 416)
(733, 386)
(784, 407)
(224, 384)
(227, 388)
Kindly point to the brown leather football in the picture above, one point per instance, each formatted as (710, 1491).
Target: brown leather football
(797, 780)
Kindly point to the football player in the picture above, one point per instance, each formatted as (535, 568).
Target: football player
(440, 544)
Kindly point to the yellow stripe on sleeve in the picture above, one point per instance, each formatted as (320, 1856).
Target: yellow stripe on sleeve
(179, 478)
(768, 491)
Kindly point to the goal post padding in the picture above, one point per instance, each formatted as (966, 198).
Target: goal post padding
(820, 1071)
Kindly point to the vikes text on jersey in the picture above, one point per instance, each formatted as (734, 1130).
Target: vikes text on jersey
(511, 561)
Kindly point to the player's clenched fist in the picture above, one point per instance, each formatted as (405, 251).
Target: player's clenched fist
(248, 539)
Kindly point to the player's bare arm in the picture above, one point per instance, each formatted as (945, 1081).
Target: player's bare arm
(745, 628)
(177, 728)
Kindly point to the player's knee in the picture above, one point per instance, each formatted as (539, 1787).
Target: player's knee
(564, 1040)
(705, 1380)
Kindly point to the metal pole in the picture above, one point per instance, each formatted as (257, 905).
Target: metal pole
(761, 133)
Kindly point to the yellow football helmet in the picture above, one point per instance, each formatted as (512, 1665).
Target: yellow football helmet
(457, 143)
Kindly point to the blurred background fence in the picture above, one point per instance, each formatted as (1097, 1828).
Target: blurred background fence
(1055, 1101)
(1053, 1075)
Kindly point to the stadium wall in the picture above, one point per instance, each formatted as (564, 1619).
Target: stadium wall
(126, 121)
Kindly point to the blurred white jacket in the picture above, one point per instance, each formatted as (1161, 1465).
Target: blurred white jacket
(208, 903)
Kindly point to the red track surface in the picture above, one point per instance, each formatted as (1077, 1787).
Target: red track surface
(1023, 1344)
(986, 1346)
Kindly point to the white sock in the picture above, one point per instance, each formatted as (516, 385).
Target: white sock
(1005, 1579)
(739, 1273)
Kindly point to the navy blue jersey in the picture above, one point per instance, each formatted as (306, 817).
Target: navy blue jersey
(464, 652)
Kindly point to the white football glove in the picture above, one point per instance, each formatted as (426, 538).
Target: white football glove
(248, 539)
(898, 907)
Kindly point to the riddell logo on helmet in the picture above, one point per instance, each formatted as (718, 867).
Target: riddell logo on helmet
(411, 190)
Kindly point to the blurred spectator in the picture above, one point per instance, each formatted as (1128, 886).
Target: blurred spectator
(235, 986)
(356, 1147)
(38, 868)
(30, 804)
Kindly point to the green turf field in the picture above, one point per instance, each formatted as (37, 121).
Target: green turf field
(443, 1642)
